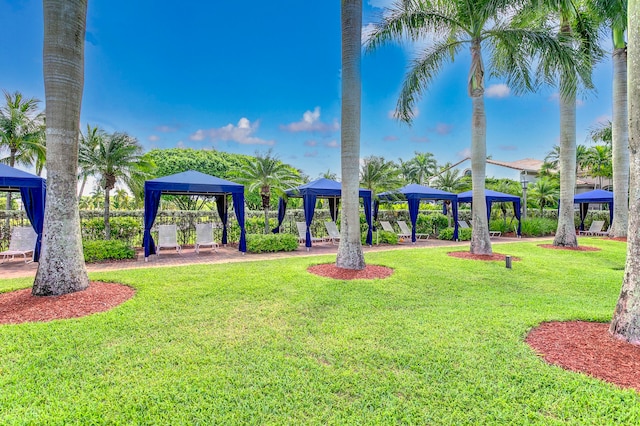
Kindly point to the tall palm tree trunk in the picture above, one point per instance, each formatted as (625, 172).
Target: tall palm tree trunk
(480, 238)
(620, 141)
(107, 207)
(350, 255)
(62, 269)
(626, 318)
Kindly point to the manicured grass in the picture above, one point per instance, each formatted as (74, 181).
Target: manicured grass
(439, 342)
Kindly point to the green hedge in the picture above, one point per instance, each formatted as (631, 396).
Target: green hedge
(464, 234)
(381, 237)
(260, 243)
(99, 250)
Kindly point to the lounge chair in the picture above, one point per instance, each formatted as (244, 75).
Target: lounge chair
(404, 228)
(386, 226)
(464, 224)
(204, 237)
(595, 229)
(168, 238)
(23, 241)
(332, 230)
(302, 233)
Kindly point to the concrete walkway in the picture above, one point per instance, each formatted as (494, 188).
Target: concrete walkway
(17, 268)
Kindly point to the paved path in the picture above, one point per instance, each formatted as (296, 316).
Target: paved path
(17, 268)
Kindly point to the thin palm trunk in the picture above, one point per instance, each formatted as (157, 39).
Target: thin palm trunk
(62, 269)
(107, 206)
(620, 145)
(84, 182)
(626, 318)
(350, 255)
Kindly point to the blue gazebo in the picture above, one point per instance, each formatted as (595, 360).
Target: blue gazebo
(322, 188)
(33, 190)
(413, 194)
(593, 197)
(193, 183)
(495, 197)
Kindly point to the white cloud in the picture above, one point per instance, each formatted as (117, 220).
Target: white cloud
(367, 30)
(554, 97)
(497, 91)
(180, 144)
(166, 129)
(154, 138)
(464, 153)
(390, 138)
(311, 123)
(332, 144)
(602, 119)
(311, 154)
(242, 134)
(311, 143)
(443, 128)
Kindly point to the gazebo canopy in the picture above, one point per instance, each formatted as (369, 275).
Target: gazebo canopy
(596, 196)
(323, 188)
(32, 189)
(495, 197)
(413, 194)
(192, 183)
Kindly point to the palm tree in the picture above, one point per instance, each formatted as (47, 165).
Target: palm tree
(419, 168)
(62, 269)
(598, 162)
(450, 180)
(116, 157)
(378, 174)
(89, 142)
(544, 192)
(614, 13)
(21, 131)
(626, 318)
(350, 255)
(266, 173)
(474, 23)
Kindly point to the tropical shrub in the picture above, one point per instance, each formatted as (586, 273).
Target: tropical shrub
(381, 237)
(122, 228)
(100, 250)
(538, 227)
(464, 234)
(431, 223)
(261, 243)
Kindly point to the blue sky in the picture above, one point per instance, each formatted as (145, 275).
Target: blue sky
(244, 76)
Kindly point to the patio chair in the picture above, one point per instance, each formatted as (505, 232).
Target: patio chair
(463, 224)
(595, 229)
(386, 226)
(404, 228)
(168, 238)
(332, 230)
(23, 241)
(204, 237)
(302, 233)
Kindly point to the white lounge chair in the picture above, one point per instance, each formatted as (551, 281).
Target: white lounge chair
(464, 224)
(333, 232)
(386, 226)
(595, 229)
(404, 228)
(168, 238)
(204, 237)
(23, 241)
(302, 233)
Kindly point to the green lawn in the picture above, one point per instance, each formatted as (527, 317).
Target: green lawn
(439, 342)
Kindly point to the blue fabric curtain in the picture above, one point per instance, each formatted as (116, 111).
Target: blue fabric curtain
(516, 211)
(367, 214)
(584, 209)
(223, 212)
(376, 207)
(309, 203)
(33, 200)
(282, 208)
(489, 203)
(414, 205)
(334, 204)
(151, 204)
(454, 209)
(238, 206)
(610, 213)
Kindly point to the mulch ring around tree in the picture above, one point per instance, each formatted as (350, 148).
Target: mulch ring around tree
(578, 248)
(370, 272)
(587, 347)
(495, 257)
(20, 306)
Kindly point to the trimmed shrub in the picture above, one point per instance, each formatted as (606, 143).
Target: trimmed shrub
(464, 234)
(539, 227)
(381, 237)
(260, 243)
(100, 250)
(122, 228)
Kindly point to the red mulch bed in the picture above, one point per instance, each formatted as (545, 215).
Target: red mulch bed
(588, 347)
(20, 306)
(623, 239)
(492, 257)
(578, 248)
(369, 272)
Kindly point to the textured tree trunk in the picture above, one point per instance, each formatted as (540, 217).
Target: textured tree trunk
(107, 207)
(62, 269)
(266, 221)
(480, 238)
(350, 255)
(620, 144)
(566, 232)
(626, 318)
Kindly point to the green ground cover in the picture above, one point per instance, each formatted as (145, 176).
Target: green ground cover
(439, 342)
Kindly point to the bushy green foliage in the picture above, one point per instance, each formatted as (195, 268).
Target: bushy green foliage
(464, 234)
(538, 227)
(384, 237)
(260, 243)
(431, 223)
(99, 250)
(122, 228)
